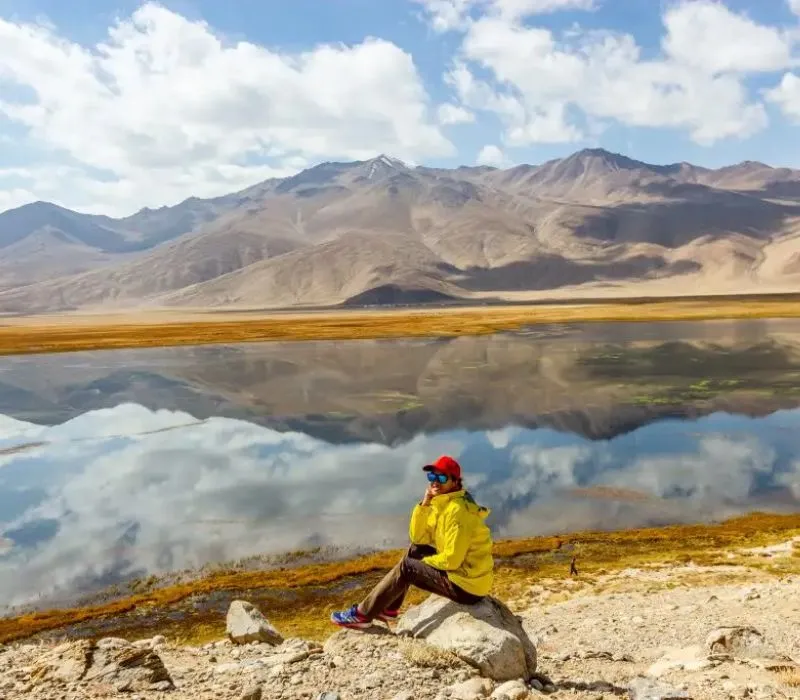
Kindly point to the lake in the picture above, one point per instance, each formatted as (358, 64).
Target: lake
(121, 464)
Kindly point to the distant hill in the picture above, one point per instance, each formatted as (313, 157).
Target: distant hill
(380, 232)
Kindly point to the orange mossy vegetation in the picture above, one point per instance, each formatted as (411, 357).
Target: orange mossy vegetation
(145, 329)
(519, 560)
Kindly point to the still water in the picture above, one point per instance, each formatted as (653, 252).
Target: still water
(121, 464)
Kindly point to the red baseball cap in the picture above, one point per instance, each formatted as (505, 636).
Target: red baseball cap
(445, 465)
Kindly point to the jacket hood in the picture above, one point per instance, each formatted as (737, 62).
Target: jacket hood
(482, 511)
(441, 501)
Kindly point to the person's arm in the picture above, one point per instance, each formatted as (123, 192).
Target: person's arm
(418, 530)
(457, 535)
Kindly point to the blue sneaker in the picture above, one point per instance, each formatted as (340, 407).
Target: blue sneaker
(352, 619)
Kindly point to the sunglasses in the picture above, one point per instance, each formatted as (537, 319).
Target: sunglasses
(441, 478)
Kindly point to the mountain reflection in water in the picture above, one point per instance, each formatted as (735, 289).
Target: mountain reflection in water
(127, 463)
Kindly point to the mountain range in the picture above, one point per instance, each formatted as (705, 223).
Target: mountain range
(380, 232)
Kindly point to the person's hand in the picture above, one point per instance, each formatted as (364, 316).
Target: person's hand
(430, 492)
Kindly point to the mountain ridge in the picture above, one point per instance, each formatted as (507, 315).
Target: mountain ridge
(594, 222)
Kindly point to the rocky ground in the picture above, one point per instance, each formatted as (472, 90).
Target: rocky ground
(662, 633)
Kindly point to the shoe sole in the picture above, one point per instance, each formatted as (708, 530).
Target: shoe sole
(352, 625)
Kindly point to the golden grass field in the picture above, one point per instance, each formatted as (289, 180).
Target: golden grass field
(299, 599)
(66, 332)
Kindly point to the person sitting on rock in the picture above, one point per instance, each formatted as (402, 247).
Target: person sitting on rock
(450, 553)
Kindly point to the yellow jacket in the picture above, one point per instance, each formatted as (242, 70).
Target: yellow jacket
(454, 524)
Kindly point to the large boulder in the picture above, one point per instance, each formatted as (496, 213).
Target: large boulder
(245, 623)
(67, 662)
(128, 667)
(109, 661)
(487, 635)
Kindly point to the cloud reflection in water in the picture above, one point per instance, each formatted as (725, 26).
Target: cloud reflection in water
(127, 491)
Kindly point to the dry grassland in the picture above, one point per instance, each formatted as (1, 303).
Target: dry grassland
(69, 332)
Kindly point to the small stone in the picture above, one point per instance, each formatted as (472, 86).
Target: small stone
(246, 623)
(123, 687)
(687, 659)
(472, 689)
(329, 695)
(296, 679)
(537, 684)
(404, 695)
(373, 680)
(222, 669)
(738, 641)
(252, 692)
(601, 686)
(161, 686)
(513, 690)
(647, 689)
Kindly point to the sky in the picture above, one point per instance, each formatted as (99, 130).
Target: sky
(108, 106)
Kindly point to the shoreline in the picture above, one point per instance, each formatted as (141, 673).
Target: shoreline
(300, 598)
(71, 332)
(715, 619)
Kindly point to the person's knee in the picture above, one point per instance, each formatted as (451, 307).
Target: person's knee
(420, 551)
(414, 552)
(407, 566)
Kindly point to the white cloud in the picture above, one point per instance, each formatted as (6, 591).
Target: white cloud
(492, 155)
(582, 76)
(738, 44)
(525, 8)
(448, 114)
(453, 15)
(134, 490)
(787, 95)
(794, 6)
(446, 15)
(164, 103)
(15, 197)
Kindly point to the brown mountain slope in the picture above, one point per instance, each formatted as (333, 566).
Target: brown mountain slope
(378, 231)
(47, 252)
(753, 177)
(363, 261)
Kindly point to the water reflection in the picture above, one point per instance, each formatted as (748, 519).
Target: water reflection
(597, 380)
(126, 463)
(87, 505)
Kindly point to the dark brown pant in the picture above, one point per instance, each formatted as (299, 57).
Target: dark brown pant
(410, 571)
